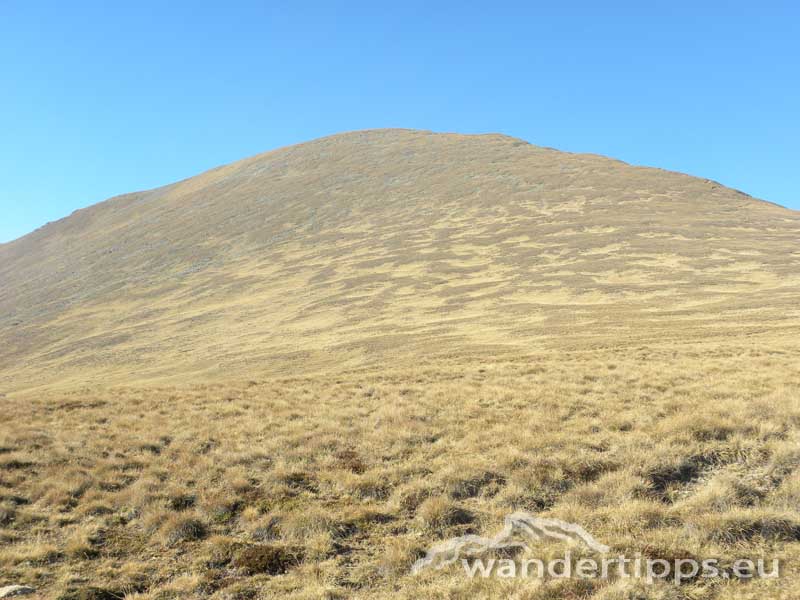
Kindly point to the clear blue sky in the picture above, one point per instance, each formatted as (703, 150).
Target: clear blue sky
(102, 98)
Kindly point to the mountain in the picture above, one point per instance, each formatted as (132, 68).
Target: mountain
(388, 247)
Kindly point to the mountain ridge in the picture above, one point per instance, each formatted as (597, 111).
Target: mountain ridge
(381, 131)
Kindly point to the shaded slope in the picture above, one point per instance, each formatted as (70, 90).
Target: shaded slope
(364, 247)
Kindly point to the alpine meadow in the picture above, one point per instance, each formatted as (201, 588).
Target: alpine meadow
(293, 375)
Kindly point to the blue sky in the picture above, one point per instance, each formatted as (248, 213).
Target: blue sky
(102, 98)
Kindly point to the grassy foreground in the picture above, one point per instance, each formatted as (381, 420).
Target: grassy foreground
(332, 486)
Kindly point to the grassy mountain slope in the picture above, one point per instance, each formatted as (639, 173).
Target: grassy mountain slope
(291, 376)
(398, 245)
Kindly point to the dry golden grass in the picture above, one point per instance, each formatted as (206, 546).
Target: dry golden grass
(375, 247)
(290, 376)
(331, 487)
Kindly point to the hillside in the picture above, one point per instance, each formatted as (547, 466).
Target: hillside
(391, 246)
(298, 375)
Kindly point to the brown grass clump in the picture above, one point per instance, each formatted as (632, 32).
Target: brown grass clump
(439, 514)
(269, 559)
(182, 529)
(8, 513)
(92, 593)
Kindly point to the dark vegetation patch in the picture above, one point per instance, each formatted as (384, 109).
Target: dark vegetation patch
(182, 502)
(663, 479)
(487, 483)
(186, 530)
(735, 529)
(92, 593)
(14, 464)
(271, 559)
